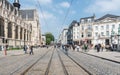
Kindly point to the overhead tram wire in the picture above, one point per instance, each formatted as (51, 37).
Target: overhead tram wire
(39, 5)
(67, 13)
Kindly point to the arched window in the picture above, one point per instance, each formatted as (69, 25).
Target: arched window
(9, 30)
(27, 35)
(16, 32)
(24, 34)
(1, 27)
(21, 33)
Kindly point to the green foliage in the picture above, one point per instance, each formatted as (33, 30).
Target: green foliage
(14, 49)
(49, 38)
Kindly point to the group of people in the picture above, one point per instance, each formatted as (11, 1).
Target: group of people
(28, 48)
(78, 47)
(99, 47)
(84, 47)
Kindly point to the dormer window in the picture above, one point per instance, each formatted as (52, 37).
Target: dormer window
(82, 21)
(89, 20)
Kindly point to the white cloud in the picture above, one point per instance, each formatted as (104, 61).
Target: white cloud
(65, 4)
(47, 15)
(45, 2)
(103, 6)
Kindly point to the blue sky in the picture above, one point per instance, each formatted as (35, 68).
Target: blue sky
(55, 11)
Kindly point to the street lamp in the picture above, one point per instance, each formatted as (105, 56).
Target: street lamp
(24, 39)
(112, 38)
(118, 38)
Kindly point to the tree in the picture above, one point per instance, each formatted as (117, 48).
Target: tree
(49, 38)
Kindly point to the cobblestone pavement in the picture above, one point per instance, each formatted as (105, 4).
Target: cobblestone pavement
(56, 66)
(16, 64)
(72, 68)
(40, 67)
(10, 64)
(110, 55)
(96, 66)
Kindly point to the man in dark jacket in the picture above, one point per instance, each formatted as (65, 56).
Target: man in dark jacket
(31, 50)
(98, 47)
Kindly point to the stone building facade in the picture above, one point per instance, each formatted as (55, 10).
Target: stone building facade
(64, 36)
(73, 33)
(86, 29)
(31, 16)
(103, 28)
(14, 31)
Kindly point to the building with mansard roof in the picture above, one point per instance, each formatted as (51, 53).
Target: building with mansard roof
(101, 30)
(86, 29)
(14, 30)
(104, 30)
(73, 33)
(104, 27)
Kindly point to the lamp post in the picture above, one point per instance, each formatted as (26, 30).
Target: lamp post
(24, 39)
(112, 38)
(118, 38)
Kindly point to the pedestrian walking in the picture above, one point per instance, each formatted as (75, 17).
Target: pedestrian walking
(98, 47)
(73, 47)
(66, 50)
(77, 48)
(25, 49)
(63, 47)
(102, 47)
(85, 47)
(31, 50)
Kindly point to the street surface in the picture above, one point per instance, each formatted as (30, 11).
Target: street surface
(54, 61)
(96, 66)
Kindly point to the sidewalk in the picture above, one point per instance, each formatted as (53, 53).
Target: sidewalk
(17, 52)
(109, 55)
(11, 53)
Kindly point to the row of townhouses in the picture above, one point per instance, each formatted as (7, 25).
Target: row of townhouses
(105, 29)
(18, 27)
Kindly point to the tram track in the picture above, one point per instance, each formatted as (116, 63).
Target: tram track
(33, 70)
(49, 64)
(80, 66)
(94, 65)
(56, 65)
(27, 66)
(63, 66)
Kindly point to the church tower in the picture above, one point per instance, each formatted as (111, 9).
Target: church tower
(16, 4)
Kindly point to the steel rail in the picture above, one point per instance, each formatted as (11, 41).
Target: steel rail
(63, 66)
(26, 70)
(78, 64)
(49, 64)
